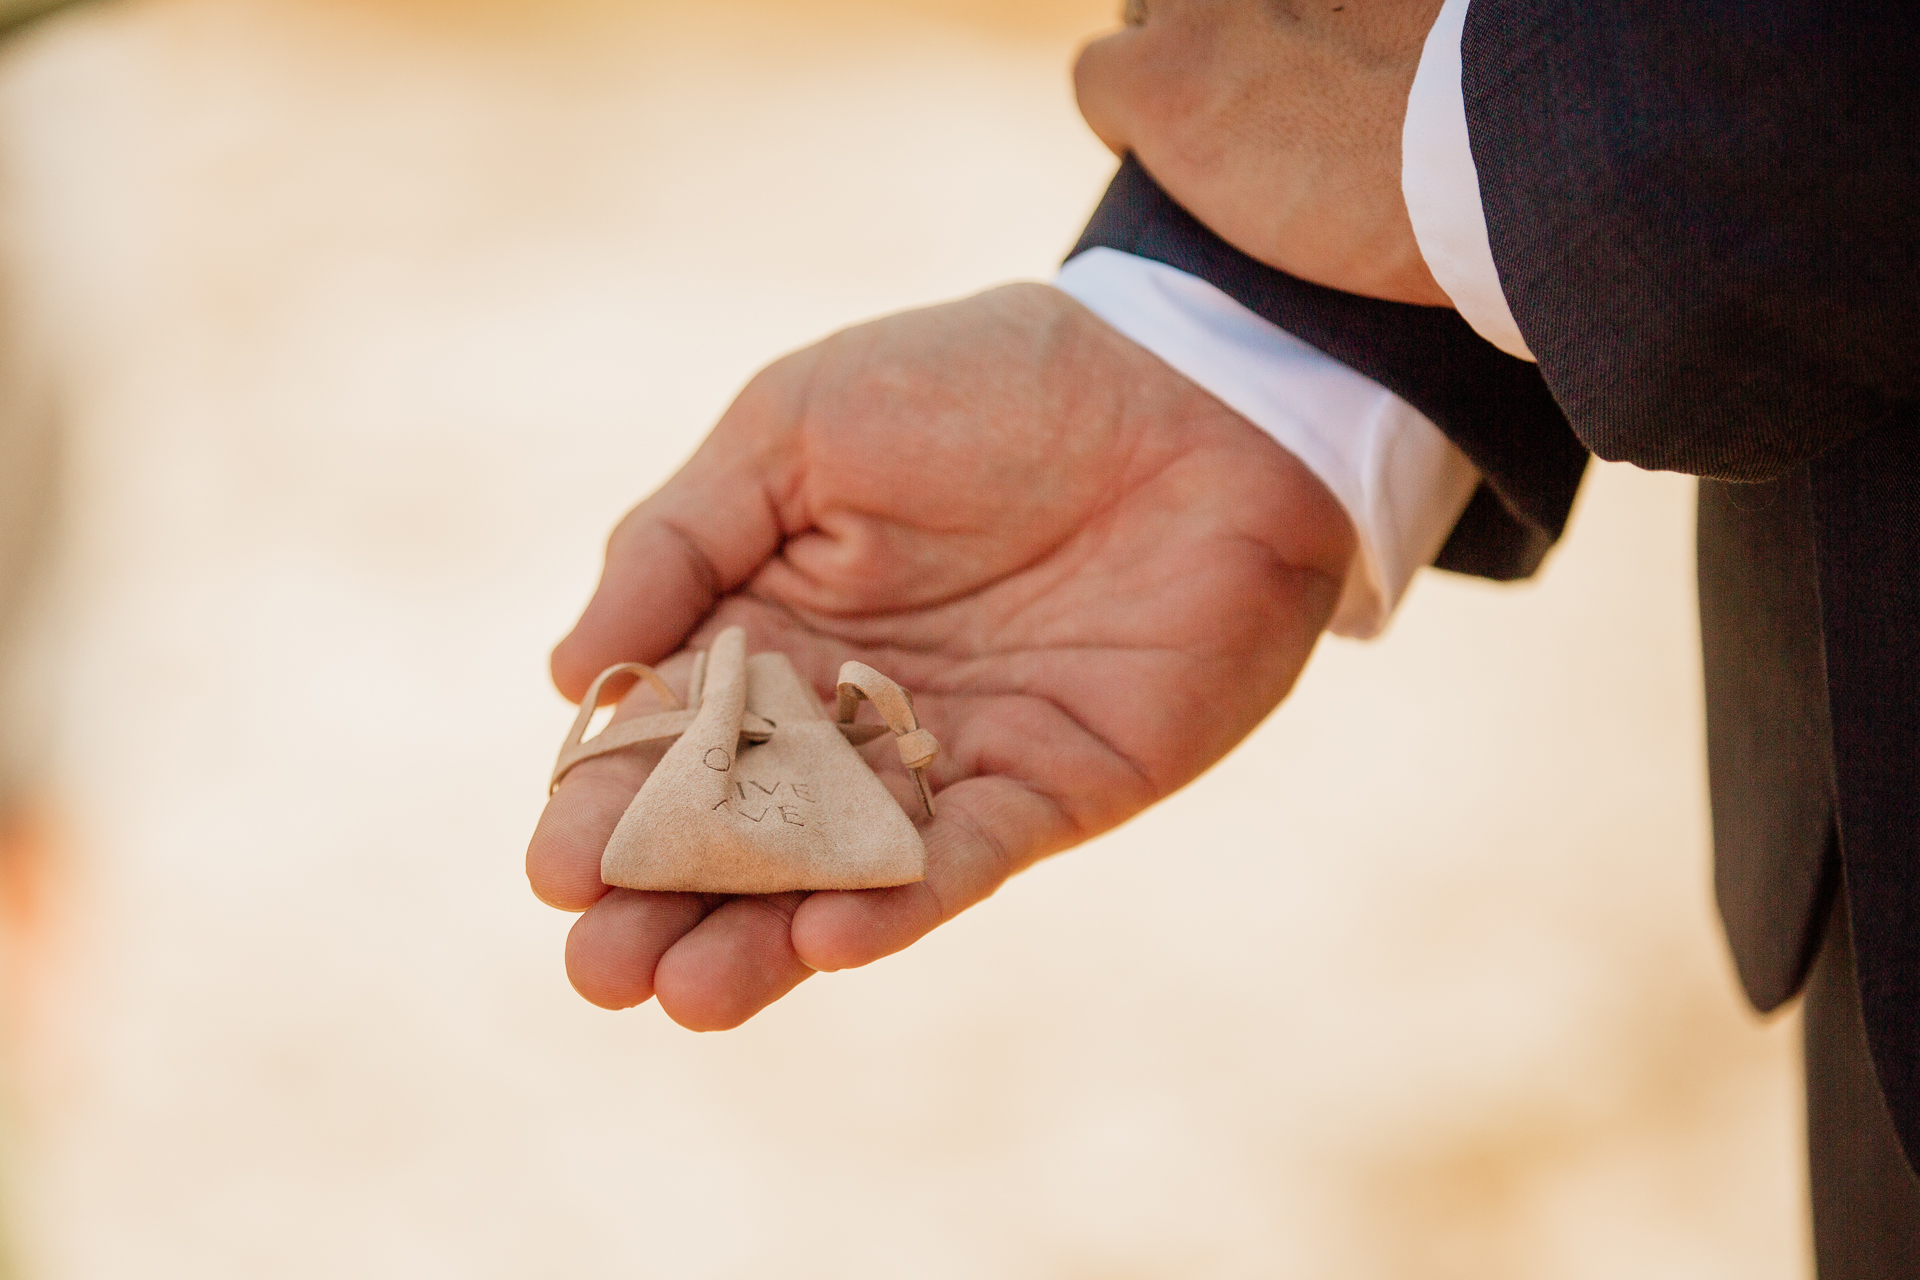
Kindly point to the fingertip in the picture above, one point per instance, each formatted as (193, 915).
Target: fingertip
(560, 883)
(703, 1016)
(549, 889)
(613, 950)
(739, 961)
(569, 670)
(847, 930)
(563, 855)
(602, 974)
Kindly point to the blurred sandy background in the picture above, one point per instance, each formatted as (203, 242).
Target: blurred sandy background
(363, 322)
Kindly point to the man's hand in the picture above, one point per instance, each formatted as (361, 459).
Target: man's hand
(1095, 578)
(1277, 124)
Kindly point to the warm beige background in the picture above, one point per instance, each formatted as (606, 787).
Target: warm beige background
(368, 319)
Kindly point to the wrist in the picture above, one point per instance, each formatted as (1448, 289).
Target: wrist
(1281, 137)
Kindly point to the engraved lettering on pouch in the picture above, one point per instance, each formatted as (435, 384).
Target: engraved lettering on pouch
(789, 814)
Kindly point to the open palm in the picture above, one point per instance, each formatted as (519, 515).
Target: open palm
(1095, 578)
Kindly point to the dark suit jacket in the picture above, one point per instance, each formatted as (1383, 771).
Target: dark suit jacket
(1706, 220)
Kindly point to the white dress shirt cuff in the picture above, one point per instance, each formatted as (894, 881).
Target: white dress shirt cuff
(1400, 480)
(1442, 188)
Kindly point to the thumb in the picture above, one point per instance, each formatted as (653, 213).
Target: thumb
(705, 532)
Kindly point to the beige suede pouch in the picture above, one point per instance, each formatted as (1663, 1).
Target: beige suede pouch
(761, 792)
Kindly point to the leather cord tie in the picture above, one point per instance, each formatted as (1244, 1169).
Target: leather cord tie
(917, 747)
(661, 726)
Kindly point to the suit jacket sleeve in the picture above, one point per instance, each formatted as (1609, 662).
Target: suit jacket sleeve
(1494, 407)
(1706, 218)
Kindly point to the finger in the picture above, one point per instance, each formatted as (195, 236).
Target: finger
(735, 963)
(706, 531)
(988, 829)
(662, 574)
(614, 949)
(563, 857)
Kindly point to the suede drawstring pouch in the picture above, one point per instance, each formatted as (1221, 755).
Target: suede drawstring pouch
(760, 791)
